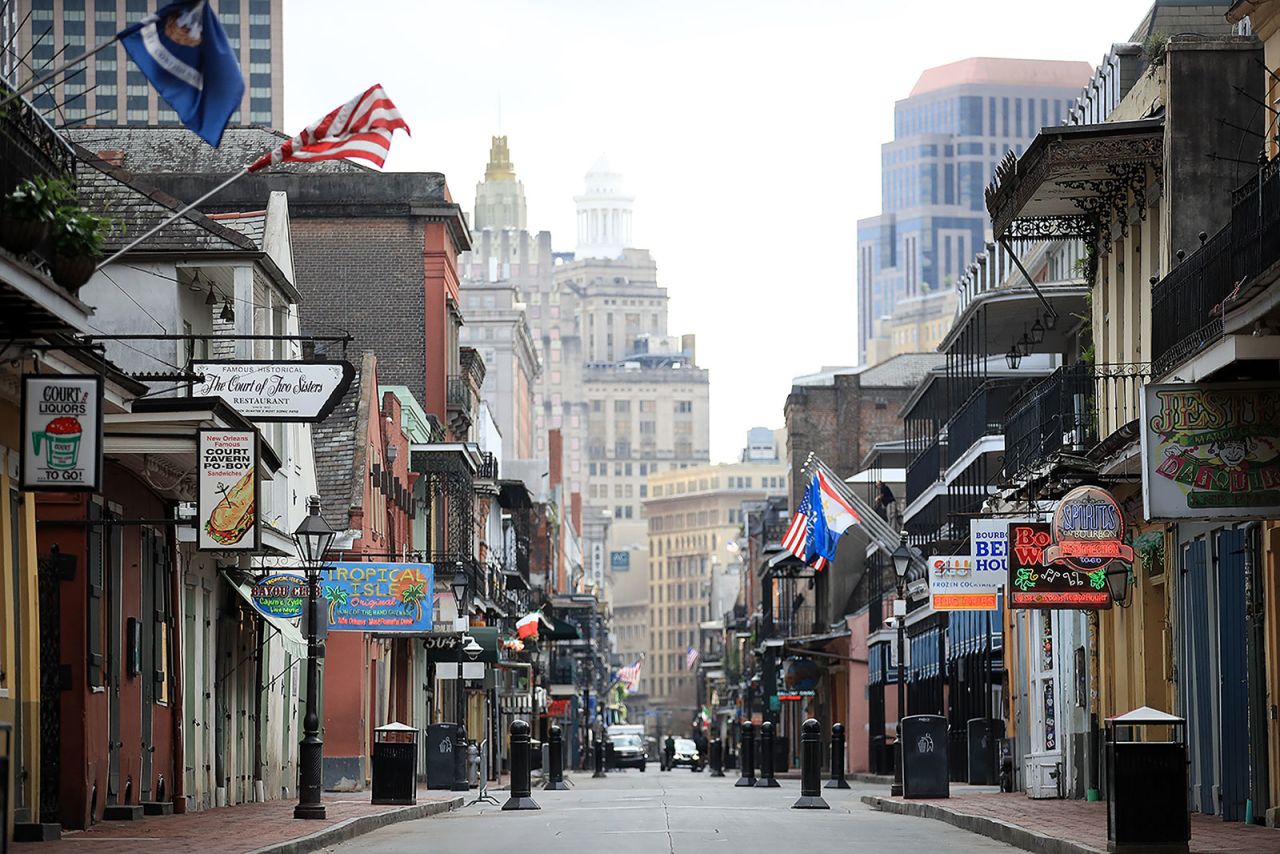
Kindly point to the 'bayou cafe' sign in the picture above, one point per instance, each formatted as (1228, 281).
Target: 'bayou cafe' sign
(280, 594)
(1211, 451)
(373, 596)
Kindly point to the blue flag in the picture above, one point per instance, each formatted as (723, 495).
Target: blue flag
(183, 51)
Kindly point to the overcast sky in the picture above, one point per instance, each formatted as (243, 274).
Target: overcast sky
(748, 131)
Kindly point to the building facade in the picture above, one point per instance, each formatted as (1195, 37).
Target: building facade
(695, 519)
(111, 90)
(949, 134)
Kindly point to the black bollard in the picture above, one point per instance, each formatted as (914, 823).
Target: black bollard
(521, 788)
(717, 758)
(810, 768)
(837, 780)
(555, 756)
(747, 752)
(599, 759)
(766, 780)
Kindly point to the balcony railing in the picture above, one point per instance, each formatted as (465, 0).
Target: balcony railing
(1072, 409)
(924, 470)
(458, 393)
(488, 468)
(981, 415)
(1188, 304)
(792, 623)
(30, 148)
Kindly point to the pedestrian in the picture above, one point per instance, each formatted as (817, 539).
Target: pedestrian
(668, 753)
(887, 504)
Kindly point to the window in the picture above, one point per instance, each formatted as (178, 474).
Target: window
(622, 406)
(684, 407)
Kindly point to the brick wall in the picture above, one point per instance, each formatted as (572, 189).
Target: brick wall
(339, 263)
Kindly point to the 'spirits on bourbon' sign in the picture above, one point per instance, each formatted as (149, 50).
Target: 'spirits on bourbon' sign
(1088, 531)
(1034, 583)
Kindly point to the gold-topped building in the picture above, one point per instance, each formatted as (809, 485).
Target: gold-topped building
(500, 201)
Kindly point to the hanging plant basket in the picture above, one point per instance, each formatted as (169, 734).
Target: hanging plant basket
(72, 271)
(21, 236)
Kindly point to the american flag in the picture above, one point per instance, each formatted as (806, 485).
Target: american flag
(362, 128)
(629, 676)
(799, 537)
(691, 658)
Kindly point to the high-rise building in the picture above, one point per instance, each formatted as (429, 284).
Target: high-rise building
(500, 196)
(694, 517)
(949, 134)
(37, 35)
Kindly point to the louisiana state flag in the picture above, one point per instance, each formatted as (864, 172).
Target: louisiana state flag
(183, 51)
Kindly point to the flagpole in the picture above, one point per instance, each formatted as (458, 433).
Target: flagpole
(137, 240)
(40, 81)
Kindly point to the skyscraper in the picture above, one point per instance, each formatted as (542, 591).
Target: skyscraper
(108, 89)
(949, 134)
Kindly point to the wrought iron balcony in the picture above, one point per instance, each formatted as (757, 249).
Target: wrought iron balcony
(458, 394)
(981, 415)
(1071, 410)
(1188, 304)
(924, 470)
(488, 468)
(791, 623)
(30, 148)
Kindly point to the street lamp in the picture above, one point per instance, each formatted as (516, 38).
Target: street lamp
(459, 585)
(901, 564)
(313, 539)
(1118, 582)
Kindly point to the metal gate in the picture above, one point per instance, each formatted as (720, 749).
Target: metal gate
(1233, 675)
(1196, 683)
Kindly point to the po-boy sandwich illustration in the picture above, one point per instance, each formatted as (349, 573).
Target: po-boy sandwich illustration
(233, 516)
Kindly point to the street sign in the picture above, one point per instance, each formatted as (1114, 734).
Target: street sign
(375, 596)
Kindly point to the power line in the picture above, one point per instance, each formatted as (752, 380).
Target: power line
(163, 328)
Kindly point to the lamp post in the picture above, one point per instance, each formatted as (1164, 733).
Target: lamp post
(901, 563)
(313, 539)
(459, 586)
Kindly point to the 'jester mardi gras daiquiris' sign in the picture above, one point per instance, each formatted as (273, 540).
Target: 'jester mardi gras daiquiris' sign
(1035, 583)
(1211, 451)
(378, 597)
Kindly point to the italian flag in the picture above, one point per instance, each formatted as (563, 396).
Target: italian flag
(527, 626)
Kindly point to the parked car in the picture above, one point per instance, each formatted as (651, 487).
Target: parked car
(628, 751)
(687, 755)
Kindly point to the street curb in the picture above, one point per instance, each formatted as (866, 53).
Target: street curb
(880, 779)
(1001, 831)
(358, 826)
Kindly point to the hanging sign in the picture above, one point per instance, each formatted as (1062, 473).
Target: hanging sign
(275, 391)
(1211, 451)
(443, 648)
(61, 432)
(1088, 531)
(227, 498)
(955, 584)
(280, 594)
(373, 596)
(1035, 584)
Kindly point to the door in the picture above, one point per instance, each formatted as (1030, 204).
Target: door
(192, 701)
(1233, 680)
(111, 534)
(53, 680)
(147, 572)
(1195, 674)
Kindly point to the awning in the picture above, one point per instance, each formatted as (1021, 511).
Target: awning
(1070, 176)
(294, 643)
(553, 628)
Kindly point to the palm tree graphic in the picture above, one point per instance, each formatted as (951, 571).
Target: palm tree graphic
(336, 597)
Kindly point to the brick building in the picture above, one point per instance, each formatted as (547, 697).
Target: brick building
(840, 413)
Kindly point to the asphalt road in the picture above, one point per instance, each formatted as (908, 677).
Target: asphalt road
(674, 813)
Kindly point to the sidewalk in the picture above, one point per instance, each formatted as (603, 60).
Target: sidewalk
(1063, 826)
(262, 828)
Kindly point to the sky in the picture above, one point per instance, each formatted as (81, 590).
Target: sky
(749, 132)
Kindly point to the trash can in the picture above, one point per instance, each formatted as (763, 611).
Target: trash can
(395, 764)
(535, 755)
(984, 751)
(1147, 782)
(925, 772)
(441, 770)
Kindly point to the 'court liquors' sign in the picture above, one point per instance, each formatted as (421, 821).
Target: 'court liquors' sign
(1211, 451)
(61, 432)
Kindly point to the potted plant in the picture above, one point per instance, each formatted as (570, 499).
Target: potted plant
(29, 212)
(77, 238)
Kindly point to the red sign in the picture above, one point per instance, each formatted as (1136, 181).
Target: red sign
(1035, 583)
(1088, 531)
(558, 708)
